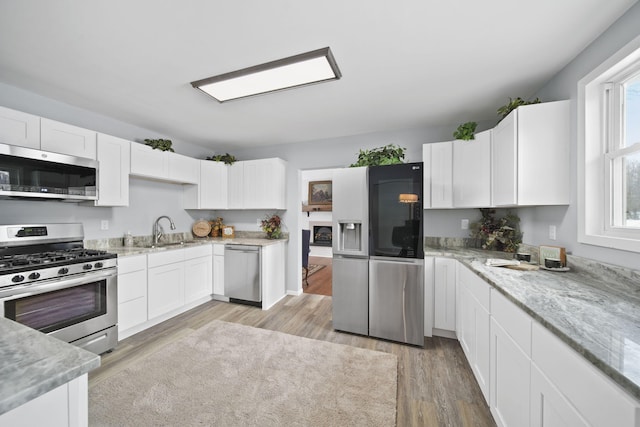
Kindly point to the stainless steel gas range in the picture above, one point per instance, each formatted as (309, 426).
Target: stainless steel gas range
(50, 282)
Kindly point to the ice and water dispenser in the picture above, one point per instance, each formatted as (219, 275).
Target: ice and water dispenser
(350, 236)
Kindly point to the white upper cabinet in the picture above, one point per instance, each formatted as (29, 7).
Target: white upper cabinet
(149, 163)
(257, 184)
(63, 138)
(163, 165)
(113, 155)
(182, 169)
(18, 128)
(442, 175)
(263, 184)
(472, 171)
(235, 179)
(211, 193)
(530, 156)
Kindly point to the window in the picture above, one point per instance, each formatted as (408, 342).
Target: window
(609, 152)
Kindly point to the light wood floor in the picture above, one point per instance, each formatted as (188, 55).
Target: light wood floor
(435, 384)
(319, 283)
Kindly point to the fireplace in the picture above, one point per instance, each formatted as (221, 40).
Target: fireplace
(322, 235)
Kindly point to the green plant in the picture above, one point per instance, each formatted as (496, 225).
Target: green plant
(388, 155)
(271, 225)
(227, 158)
(512, 105)
(466, 131)
(159, 144)
(499, 234)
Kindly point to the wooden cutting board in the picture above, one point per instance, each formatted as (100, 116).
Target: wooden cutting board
(524, 267)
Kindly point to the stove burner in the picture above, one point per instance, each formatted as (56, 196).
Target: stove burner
(22, 262)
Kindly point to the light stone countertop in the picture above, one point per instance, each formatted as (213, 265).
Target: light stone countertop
(33, 363)
(138, 250)
(594, 308)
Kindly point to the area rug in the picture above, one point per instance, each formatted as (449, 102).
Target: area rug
(313, 268)
(226, 374)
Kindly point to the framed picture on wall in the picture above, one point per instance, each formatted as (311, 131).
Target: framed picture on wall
(320, 193)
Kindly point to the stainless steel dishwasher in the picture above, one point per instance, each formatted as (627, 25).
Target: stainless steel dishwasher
(242, 281)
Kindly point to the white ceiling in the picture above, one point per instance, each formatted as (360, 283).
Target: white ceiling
(405, 63)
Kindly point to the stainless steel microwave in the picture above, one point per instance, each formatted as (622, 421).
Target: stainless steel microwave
(29, 173)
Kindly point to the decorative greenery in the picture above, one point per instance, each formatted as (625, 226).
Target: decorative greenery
(512, 105)
(271, 225)
(388, 155)
(227, 158)
(466, 131)
(499, 234)
(159, 144)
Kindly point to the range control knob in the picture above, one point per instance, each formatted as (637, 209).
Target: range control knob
(34, 276)
(17, 279)
(87, 267)
(63, 270)
(99, 265)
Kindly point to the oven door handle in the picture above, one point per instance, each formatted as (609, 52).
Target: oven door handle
(55, 284)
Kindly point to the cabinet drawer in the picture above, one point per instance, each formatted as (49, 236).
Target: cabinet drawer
(513, 320)
(166, 257)
(132, 263)
(596, 397)
(197, 251)
(218, 249)
(478, 287)
(132, 313)
(132, 286)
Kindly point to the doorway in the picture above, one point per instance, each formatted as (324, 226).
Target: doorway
(318, 220)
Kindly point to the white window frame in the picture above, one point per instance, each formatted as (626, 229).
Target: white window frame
(596, 152)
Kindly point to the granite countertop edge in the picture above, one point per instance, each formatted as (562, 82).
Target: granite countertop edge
(33, 363)
(467, 256)
(140, 250)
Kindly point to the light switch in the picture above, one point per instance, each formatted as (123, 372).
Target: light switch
(464, 224)
(552, 232)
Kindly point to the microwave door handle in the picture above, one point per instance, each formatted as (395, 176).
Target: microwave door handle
(54, 284)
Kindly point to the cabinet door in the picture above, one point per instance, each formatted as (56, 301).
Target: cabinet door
(218, 274)
(426, 177)
(213, 185)
(504, 155)
(113, 155)
(182, 169)
(445, 294)
(132, 299)
(442, 175)
(198, 278)
(549, 408)
(235, 174)
(472, 172)
(165, 288)
(147, 162)
(18, 128)
(67, 139)
(510, 380)
(263, 184)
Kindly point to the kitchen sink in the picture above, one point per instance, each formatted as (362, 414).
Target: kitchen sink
(164, 245)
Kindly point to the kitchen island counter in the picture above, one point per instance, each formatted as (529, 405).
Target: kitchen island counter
(33, 363)
(594, 308)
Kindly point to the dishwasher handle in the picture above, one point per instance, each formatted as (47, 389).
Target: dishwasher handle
(242, 248)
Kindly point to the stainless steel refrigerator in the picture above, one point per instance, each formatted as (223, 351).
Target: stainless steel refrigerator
(350, 277)
(378, 257)
(396, 253)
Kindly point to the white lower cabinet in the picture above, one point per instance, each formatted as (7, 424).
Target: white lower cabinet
(132, 292)
(272, 272)
(218, 270)
(444, 294)
(198, 280)
(549, 408)
(166, 285)
(473, 324)
(578, 386)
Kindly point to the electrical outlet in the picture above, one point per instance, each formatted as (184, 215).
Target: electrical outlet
(104, 224)
(552, 232)
(464, 224)
(258, 222)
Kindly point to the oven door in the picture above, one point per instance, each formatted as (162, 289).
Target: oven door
(80, 309)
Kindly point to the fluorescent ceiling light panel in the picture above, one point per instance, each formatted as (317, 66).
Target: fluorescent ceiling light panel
(299, 70)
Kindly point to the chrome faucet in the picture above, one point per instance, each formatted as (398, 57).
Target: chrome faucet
(157, 233)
